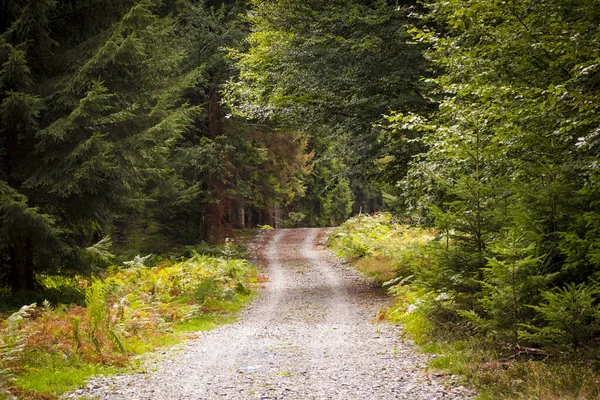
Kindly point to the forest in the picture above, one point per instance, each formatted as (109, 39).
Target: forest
(471, 128)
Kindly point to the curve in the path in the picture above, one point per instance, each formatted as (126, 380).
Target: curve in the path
(309, 335)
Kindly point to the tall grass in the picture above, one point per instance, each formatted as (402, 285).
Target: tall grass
(381, 247)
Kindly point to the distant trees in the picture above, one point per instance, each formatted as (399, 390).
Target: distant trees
(225, 171)
(332, 69)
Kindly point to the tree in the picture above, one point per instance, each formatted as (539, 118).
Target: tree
(22, 225)
(512, 146)
(87, 153)
(226, 171)
(328, 198)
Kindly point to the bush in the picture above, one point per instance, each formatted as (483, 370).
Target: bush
(484, 320)
(12, 343)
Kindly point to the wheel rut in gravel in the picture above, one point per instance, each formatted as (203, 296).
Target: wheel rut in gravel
(310, 334)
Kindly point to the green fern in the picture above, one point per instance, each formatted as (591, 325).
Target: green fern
(100, 317)
(12, 343)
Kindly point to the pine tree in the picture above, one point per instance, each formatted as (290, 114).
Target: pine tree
(22, 224)
(108, 117)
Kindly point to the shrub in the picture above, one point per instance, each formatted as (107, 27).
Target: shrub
(12, 343)
(384, 248)
(572, 318)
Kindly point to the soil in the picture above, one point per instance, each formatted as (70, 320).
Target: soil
(312, 333)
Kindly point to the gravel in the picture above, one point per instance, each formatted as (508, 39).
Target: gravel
(312, 333)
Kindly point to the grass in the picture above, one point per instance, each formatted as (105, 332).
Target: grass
(493, 374)
(51, 381)
(48, 350)
(204, 323)
(497, 378)
(378, 267)
(55, 378)
(380, 247)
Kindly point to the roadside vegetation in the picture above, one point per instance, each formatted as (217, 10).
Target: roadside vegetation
(49, 348)
(510, 333)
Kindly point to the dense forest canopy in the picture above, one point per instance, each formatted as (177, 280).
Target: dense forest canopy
(140, 126)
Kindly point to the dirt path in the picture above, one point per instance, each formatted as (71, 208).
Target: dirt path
(310, 334)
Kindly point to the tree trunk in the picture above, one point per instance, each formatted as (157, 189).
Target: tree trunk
(250, 216)
(242, 217)
(21, 268)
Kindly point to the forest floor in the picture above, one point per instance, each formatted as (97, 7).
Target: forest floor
(311, 333)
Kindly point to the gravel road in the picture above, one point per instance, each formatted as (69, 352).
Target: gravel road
(310, 334)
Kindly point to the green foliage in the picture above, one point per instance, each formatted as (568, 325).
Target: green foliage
(508, 146)
(12, 343)
(59, 378)
(512, 281)
(508, 172)
(327, 199)
(581, 242)
(296, 218)
(484, 335)
(204, 289)
(332, 69)
(56, 289)
(135, 309)
(400, 248)
(359, 236)
(84, 121)
(114, 138)
(513, 379)
(511, 293)
(572, 318)
(99, 318)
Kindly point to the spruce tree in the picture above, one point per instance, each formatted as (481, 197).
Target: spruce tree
(105, 127)
(23, 225)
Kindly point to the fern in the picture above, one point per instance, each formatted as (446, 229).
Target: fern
(100, 318)
(76, 321)
(12, 343)
(116, 339)
(138, 261)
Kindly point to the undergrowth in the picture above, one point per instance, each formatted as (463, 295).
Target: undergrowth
(508, 334)
(372, 243)
(48, 349)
